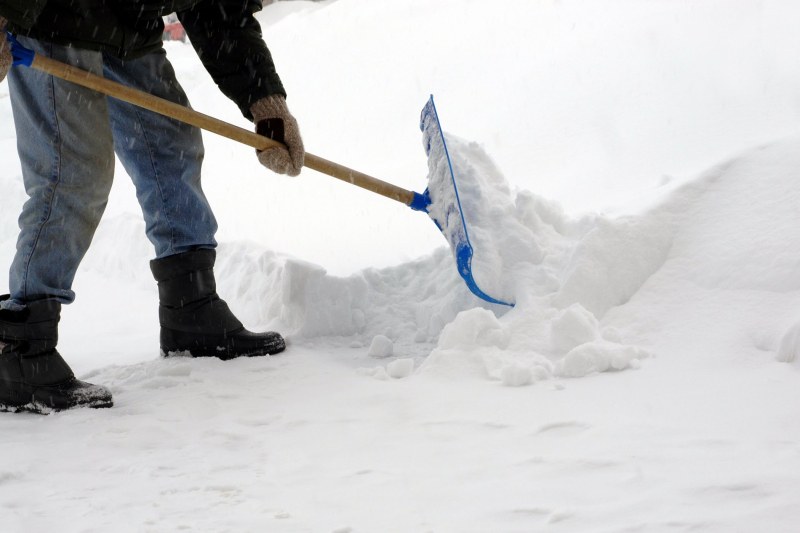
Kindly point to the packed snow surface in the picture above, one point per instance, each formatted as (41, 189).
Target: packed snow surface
(628, 173)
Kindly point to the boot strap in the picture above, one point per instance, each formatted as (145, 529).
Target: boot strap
(191, 287)
(210, 316)
(45, 369)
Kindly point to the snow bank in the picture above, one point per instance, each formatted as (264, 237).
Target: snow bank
(731, 273)
(563, 273)
(566, 274)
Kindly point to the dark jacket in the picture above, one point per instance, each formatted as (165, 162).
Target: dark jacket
(225, 34)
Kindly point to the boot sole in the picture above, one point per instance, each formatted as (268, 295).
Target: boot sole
(41, 408)
(26, 402)
(178, 344)
(219, 354)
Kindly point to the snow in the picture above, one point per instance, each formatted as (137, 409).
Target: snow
(400, 368)
(628, 172)
(381, 346)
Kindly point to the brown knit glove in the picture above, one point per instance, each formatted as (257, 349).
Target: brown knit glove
(273, 119)
(5, 51)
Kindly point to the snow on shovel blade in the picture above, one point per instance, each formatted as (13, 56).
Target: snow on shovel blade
(445, 204)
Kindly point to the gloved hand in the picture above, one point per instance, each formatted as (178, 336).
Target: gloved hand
(5, 51)
(273, 119)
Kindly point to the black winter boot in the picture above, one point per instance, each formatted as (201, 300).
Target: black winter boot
(193, 317)
(33, 376)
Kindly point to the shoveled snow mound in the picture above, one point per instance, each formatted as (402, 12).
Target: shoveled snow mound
(730, 279)
(721, 237)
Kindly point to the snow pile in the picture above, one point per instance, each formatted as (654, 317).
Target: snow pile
(565, 274)
(731, 275)
(527, 251)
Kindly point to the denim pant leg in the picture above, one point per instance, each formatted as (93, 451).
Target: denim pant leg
(66, 151)
(163, 157)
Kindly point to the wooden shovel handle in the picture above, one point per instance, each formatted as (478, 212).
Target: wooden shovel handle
(200, 120)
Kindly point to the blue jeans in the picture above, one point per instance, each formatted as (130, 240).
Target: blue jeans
(67, 137)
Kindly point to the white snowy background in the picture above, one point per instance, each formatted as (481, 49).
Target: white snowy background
(631, 172)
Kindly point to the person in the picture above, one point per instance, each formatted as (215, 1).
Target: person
(67, 137)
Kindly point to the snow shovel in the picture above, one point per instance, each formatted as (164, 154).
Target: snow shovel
(447, 214)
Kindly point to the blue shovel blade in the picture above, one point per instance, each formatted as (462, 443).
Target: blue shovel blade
(445, 204)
